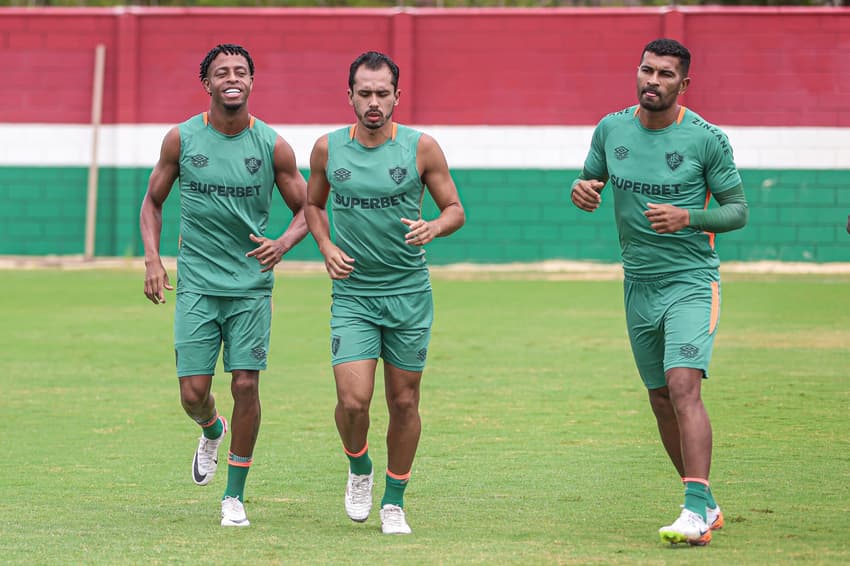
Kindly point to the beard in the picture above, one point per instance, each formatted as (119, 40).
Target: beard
(233, 106)
(375, 125)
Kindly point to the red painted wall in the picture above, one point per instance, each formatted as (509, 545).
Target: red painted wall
(751, 66)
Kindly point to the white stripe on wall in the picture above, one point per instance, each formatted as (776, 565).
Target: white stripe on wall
(466, 147)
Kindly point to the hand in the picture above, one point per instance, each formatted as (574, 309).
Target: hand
(268, 253)
(666, 218)
(338, 264)
(419, 232)
(156, 279)
(585, 194)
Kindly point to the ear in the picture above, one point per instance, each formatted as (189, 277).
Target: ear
(397, 95)
(683, 86)
(206, 83)
(350, 97)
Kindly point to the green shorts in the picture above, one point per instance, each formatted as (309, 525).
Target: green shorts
(672, 323)
(396, 328)
(202, 323)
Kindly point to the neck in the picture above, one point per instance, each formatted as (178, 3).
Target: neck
(373, 138)
(659, 120)
(229, 122)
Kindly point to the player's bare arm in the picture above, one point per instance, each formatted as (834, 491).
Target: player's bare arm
(435, 175)
(293, 188)
(164, 173)
(338, 264)
(585, 194)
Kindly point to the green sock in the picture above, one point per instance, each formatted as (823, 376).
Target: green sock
(213, 428)
(695, 497)
(361, 464)
(394, 492)
(710, 498)
(237, 472)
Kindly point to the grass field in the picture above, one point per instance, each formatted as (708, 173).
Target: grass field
(538, 445)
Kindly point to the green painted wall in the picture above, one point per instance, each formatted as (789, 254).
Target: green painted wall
(512, 215)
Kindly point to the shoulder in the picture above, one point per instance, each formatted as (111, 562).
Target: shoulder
(699, 124)
(615, 120)
(338, 136)
(264, 131)
(192, 124)
(619, 117)
(705, 131)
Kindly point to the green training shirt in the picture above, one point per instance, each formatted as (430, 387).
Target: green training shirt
(226, 185)
(372, 188)
(680, 165)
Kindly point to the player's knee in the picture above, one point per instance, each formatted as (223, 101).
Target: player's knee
(353, 406)
(404, 404)
(193, 399)
(244, 386)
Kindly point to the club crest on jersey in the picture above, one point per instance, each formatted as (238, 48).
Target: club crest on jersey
(398, 174)
(253, 164)
(674, 160)
(199, 160)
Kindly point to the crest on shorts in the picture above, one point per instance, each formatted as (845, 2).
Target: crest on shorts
(259, 353)
(422, 354)
(334, 345)
(398, 174)
(252, 164)
(674, 160)
(689, 351)
(199, 160)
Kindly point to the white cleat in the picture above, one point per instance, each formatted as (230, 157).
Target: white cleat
(358, 496)
(205, 462)
(233, 513)
(689, 528)
(714, 518)
(393, 521)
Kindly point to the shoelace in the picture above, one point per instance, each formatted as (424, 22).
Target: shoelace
(360, 487)
(231, 504)
(207, 450)
(394, 516)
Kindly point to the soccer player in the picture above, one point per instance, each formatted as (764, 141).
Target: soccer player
(228, 163)
(375, 173)
(663, 163)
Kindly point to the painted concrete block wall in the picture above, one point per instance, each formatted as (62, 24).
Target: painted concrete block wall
(513, 107)
(513, 215)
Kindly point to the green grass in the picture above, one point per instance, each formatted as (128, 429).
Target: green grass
(538, 444)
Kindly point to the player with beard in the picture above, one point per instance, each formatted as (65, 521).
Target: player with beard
(228, 163)
(664, 163)
(375, 173)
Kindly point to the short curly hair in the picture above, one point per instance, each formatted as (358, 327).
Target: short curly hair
(672, 48)
(227, 49)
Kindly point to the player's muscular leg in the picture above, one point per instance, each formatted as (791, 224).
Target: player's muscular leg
(196, 398)
(684, 385)
(245, 422)
(402, 391)
(668, 427)
(355, 383)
